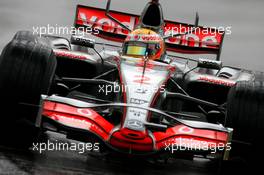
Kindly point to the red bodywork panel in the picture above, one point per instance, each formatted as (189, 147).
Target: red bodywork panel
(204, 41)
(88, 120)
(85, 119)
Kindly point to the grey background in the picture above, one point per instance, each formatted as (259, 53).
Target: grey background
(243, 48)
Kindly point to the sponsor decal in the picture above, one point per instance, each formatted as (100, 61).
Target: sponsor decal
(72, 55)
(96, 18)
(141, 90)
(185, 130)
(137, 113)
(78, 122)
(85, 112)
(135, 124)
(143, 38)
(202, 37)
(215, 80)
(149, 70)
(71, 121)
(141, 79)
(138, 101)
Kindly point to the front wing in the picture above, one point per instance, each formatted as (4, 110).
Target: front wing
(61, 116)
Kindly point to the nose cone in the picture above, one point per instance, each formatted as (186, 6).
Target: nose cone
(131, 134)
(132, 141)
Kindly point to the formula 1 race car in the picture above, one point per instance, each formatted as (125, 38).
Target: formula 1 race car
(133, 99)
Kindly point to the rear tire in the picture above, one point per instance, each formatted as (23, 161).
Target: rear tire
(245, 114)
(258, 76)
(26, 71)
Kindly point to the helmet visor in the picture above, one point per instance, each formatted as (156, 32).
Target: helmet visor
(136, 50)
(140, 48)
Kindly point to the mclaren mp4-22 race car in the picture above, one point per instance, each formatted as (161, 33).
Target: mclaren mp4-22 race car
(135, 99)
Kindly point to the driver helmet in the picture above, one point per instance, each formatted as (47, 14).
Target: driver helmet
(144, 43)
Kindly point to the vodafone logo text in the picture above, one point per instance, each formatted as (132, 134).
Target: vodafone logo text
(201, 37)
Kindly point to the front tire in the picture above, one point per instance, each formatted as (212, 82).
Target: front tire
(26, 71)
(25, 36)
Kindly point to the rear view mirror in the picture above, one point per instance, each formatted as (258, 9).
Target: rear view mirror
(209, 64)
(83, 41)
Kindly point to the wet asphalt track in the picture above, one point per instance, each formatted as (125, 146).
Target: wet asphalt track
(16, 162)
(243, 48)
